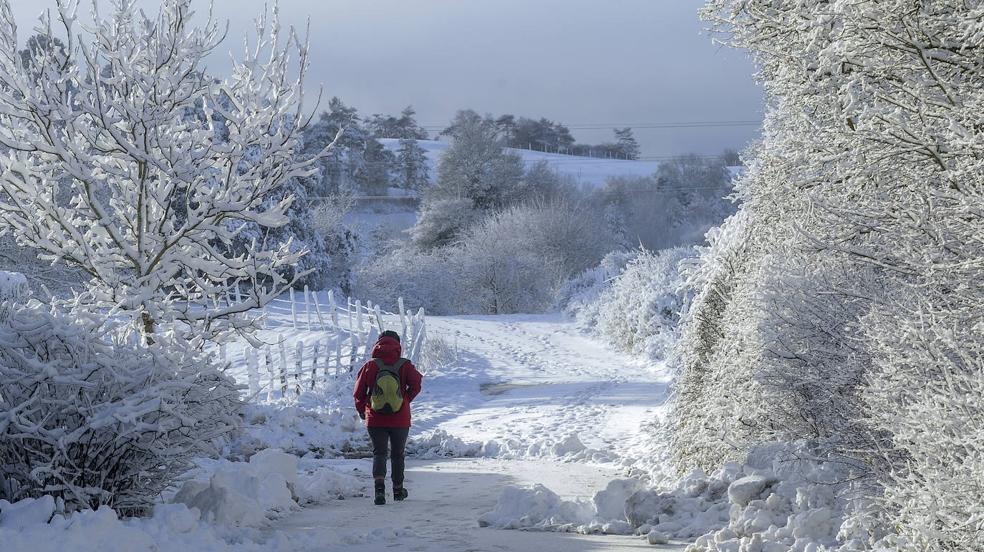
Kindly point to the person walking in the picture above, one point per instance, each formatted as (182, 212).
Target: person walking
(384, 389)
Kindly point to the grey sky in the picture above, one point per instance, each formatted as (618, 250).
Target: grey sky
(625, 62)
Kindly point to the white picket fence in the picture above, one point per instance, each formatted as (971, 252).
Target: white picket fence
(338, 340)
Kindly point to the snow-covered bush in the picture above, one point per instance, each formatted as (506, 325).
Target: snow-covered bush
(422, 279)
(94, 418)
(441, 221)
(925, 392)
(718, 395)
(845, 312)
(516, 260)
(438, 353)
(498, 274)
(581, 296)
(641, 310)
(157, 166)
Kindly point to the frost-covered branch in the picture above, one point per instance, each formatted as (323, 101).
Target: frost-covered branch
(127, 160)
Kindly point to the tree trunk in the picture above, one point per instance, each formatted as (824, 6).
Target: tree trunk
(148, 327)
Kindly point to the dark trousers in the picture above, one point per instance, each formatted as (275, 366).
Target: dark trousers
(382, 438)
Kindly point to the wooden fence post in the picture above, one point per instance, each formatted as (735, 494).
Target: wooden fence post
(351, 328)
(333, 307)
(293, 308)
(283, 366)
(298, 363)
(317, 310)
(379, 317)
(371, 338)
(403, 317)
(252, 370)
(314, 363)
(358, 316)
(353, 350)
(307, 307)
(338, 354)
(268, 357)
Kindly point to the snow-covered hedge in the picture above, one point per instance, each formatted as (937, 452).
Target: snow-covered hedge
(635, 300)
(580, 298)
(95, 419)
(846, 308)
(926, 390)
(641, 311)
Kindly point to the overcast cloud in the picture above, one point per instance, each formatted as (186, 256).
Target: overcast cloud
(624, 62)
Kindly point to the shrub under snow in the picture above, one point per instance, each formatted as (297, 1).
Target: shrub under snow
(511, 261)
(641, 310)
(97, 419)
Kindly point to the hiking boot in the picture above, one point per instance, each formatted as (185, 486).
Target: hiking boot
(400, 493)
(380, 493)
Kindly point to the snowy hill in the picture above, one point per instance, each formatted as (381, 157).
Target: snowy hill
(585, 170)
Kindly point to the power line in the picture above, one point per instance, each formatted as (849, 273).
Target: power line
(641, 126)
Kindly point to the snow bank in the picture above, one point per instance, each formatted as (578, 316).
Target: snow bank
(540, 508)
(327, 483)
(567, 448)
(244, 494)
(788, 504)
(775, 502)
(441, 444)
(696, 505)
(535, 508)
(316, 424)
(25, 525)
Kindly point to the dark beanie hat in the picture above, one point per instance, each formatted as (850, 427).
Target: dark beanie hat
(390, 333)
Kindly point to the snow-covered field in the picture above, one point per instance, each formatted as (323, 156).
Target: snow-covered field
(584, 170)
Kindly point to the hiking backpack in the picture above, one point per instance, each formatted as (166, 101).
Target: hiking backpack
(387, 391)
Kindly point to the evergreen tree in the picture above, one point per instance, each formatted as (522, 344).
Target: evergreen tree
(357, 164)
(626, 143)
(404, 126)
(412, 165)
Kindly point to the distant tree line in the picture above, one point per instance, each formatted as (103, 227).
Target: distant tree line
(360, 163)
(545, 135)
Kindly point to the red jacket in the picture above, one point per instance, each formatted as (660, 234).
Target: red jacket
(388, 350)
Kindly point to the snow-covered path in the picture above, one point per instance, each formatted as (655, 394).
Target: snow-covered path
(529, 382)
(552, 405)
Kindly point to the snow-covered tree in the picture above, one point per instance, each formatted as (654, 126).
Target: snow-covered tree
(475, 171)
(628, 148)
(540, 181)
(412, 165)
(403, 127)
(475, 166)
(357, 164)
(112, 125)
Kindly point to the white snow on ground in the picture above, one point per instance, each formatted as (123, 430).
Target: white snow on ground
(589, 171)
(529, 386)
(530, 397)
